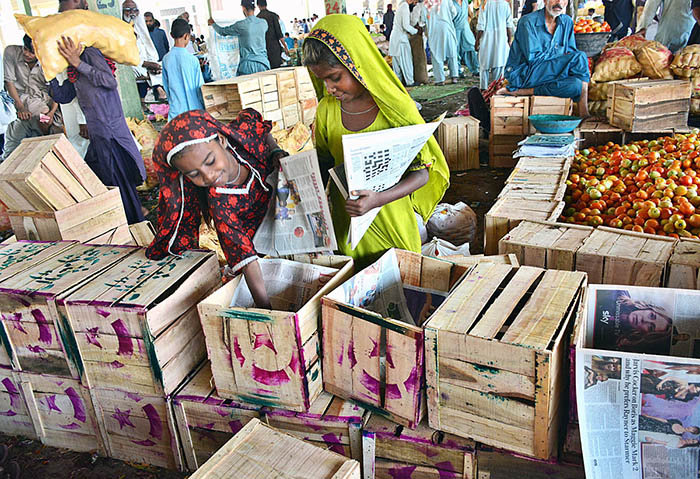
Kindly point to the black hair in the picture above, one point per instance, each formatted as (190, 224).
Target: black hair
(179, 28)
(248, 4)
(286, 34)
(202, 194)
(156, 23)
(262, 3)
(315, 52)
(27, 41)
(149, 14)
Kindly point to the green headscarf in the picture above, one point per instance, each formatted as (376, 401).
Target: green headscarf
(347, 37)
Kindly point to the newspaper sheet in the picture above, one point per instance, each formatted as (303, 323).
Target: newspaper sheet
(289, 284)
(377, 160)
(639, 413)
(377, 288)
(298, 219)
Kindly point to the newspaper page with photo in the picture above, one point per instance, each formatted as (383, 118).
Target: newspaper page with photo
(289, 284)
(298, 219)
(377, 161)
(638, 383)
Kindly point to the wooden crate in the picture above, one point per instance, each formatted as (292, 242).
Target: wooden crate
(62, 412)
(538, 179)
(509, 115)
(205, 421)
(545, 245)
(501, 149)
(459, 139)
(650, 105)
(286, 86)
(391, 451)
(258, 451)
(480, 258)
(120, 235)
(496, 357)
(15, 419)
(331, 423)
(136, 427)
(225, 99)
(492, 463)
(80, 221)
(46, 174)
(683, 265)
(507, 213)
(614, 256)
(142, 233)
(355, 340)
(549, 105)
(137, 323)
(40, 340)
(592, 132)
(241, 371)
(291, 115)
(308, 109)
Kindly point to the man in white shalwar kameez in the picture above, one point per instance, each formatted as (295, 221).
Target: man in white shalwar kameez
(494, 34)
(399, 45)
(149, 72)
(442, 39)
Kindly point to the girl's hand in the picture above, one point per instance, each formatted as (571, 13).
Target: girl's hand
(367, 200)
(70, 51)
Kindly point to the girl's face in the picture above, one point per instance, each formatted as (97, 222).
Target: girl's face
(339, 82)
(206, 164)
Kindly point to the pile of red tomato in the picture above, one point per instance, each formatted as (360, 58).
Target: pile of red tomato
(587, 25)
(645, 186)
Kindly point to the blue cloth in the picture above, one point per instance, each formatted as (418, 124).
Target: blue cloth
(160, 41)
(289, 41)
(465, 37)
(550, 64)
(251, 40)
(182, 80)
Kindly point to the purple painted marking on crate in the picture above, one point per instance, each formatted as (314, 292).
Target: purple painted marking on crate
(154, 419)
(340, 357)
(133, 396)
(15, 319)
(44, 329)
(36, 349)
(206, 426)
(8, 413)
(147, 443)
(51, 403)
(370, 383)
(294, 363)
(102, 312)
(12, 391)
(92, 334)
(270, 378)
(71, 426)
(115, 364)
(126, 347)
(78, 406)
(313, 426)
(333, 442)
(412, 382)
(237, 351)
(402, 472)
(235, 426)
(351, 354)
(446, 470)
(375, 349)
(122, 417)
(263, 339)
(221, 411)
(393, 391)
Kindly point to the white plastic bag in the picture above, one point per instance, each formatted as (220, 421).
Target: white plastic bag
(224, 54)
(453, 223)
(438, 248)
(421, 229)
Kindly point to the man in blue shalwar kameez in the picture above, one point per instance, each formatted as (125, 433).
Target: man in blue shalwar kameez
(543, 58)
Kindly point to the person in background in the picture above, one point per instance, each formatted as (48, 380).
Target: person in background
(544, 60)
(204, 67)
(591, 12)
(37, 113)
(617, 12)
(186, 17)
(182, 74)
(494, 34)
(7, 110)
(149, 72)
(251, 37)
(289, 41)
(362, 94)
(694, 38)
(675, 22)
(388, 21)
(274, 40)
(112, 154)
(399, 46)
(158, 36)
(528, 7)
(465, 38)
(364, 20)
(304, 26)
(419, 19)
(442, 40)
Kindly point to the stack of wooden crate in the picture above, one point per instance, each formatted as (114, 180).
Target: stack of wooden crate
(52, 194)
(651, 105)
(458, 138)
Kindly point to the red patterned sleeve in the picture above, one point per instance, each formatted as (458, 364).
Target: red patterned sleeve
(178, 215)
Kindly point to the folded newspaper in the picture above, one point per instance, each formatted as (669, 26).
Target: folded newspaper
(298, 219)
(638, 383)
(376, 161)
(289, 284)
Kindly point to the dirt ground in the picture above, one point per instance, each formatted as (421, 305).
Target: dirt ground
(477, 188)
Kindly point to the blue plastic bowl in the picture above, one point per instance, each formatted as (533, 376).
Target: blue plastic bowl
(553, 124)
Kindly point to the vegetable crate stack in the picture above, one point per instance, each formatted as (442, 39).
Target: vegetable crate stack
(260, 452)
(545, 245)
(684, 265)
(52, 194)
(270, 357)
(538, 179)
(458, 138)
(138, 334)
(653, 105)
(496, 357)
(613, 256)
(372, 358)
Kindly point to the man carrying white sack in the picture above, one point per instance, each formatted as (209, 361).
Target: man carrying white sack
(149, 73)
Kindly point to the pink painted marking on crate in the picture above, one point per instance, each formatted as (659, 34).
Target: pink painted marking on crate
(44, 329)
(412, 382)
(146, 442)
(16, 320)
(8, 413)
(340, 357)
(126, 346)
(133, 396)
(238, 352)
(12, 391)
(402, 472)
(115, 364)
(102, 312)
(51, 403)
(122, 417)
(263, 339)
(36, 349)
(270, 378)
(334, 443)
(372, 385)
(72, 426)
(351, 354)
(154, 419)
(294, 363)
(375, 352)
(446, 470)
(92, 335)
(78, 405)
(235, 425)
